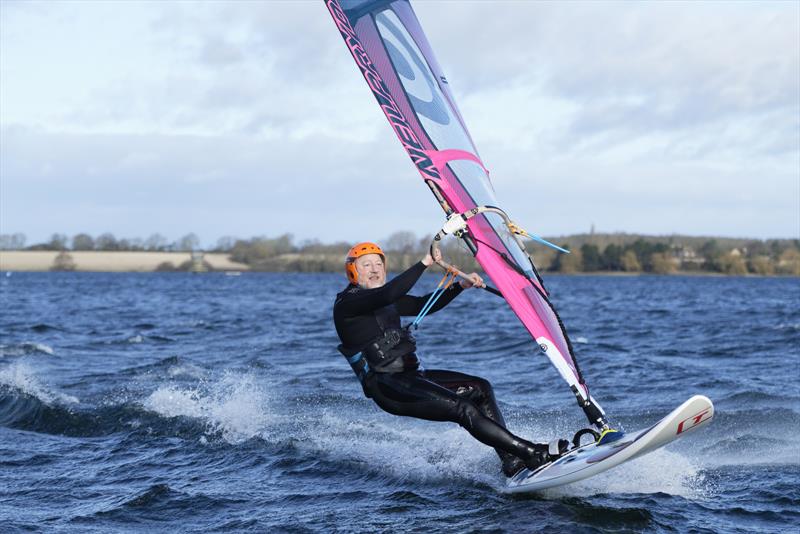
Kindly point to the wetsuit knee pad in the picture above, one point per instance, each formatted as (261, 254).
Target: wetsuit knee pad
(467, 413)
(485, 387)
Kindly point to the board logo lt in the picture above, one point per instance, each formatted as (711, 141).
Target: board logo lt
(693, 421)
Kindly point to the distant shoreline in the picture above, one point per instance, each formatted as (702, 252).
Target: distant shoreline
(144, 261)
(110, 261)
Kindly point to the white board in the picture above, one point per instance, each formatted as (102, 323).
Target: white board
(592, 459)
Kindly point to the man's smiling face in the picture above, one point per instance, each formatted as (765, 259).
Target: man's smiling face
(371, 271)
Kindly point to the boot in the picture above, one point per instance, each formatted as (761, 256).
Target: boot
(512, 465)
(541, 453)
(537, 456)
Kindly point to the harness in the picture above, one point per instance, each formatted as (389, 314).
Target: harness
(387, 353)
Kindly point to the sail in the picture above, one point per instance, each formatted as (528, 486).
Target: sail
(393, 54)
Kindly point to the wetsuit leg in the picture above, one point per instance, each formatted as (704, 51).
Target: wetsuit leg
(480, 391)
(474, 388)
(411, 394)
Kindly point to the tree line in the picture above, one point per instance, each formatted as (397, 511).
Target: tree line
(103, 242)
(589, 252)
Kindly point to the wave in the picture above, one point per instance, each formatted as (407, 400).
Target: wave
(172, 367)
(20, 376)
(133, 339)
(661, 471)
(235, 407)
(22, 411)
(751, 398)
(381, 446)
(26, 403)
(153, 502)
(40, 328)
(26, 348)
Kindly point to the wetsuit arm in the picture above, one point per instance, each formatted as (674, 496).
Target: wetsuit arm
(368, 300)
(411, 305)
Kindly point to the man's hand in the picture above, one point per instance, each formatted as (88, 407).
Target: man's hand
(474, 281)
(428, 259)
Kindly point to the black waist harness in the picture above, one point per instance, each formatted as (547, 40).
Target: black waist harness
(392, 352)
(386, 353)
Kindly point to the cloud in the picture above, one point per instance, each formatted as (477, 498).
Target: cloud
(627, 70)
(135, 185)
(676, 115)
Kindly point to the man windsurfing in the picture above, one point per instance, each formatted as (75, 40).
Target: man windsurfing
(383, 355)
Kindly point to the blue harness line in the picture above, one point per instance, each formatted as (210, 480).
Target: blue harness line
(438, 292)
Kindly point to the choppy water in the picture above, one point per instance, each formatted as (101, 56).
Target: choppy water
(172, 402)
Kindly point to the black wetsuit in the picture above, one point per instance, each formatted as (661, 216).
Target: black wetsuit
(398, 384)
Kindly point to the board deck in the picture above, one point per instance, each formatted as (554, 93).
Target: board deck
(594, 458)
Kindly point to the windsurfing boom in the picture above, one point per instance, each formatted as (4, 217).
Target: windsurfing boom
(393, 54)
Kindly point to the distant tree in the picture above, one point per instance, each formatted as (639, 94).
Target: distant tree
(776, 248)
(12, 241)
(789, 262)
(402, 242)
(259, 249)
(63, 262)
(424, 243)
(568, 263)
(123, 244)
(310, 245)
(281, 244)
(644, 251)
(188, 243)
(662, 263)
(756, 248)
(731, 264)
(166, 266)
(225, 243)
(58, 242)
(82, 242)
(135, 243)
(314, 246)
(106, 241)
(156, 242)
(611, 260)
(761, 265)
(543, 258)
(591, 258)
(630, 263)
(710, 251)
(242, 252)
(18, 241)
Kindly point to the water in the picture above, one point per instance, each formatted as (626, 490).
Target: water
(172, 402)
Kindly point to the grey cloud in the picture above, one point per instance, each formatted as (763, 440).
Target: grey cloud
(289, 39)
(630, 68)
(139, 184)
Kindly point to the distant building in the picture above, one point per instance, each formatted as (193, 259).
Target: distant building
(198, 265)
(685, 255)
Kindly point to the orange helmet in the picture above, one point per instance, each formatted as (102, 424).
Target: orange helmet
(362, 249)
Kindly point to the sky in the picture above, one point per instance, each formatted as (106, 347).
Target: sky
(249, 118)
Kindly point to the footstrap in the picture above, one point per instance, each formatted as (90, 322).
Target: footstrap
(576, 440)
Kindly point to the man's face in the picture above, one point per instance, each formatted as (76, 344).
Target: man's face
(371, 271)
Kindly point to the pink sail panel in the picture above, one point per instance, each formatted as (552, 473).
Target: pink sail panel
(393, 54)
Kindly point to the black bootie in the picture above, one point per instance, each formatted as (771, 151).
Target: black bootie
(544, 453)
(512, 465)
(537, 456)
